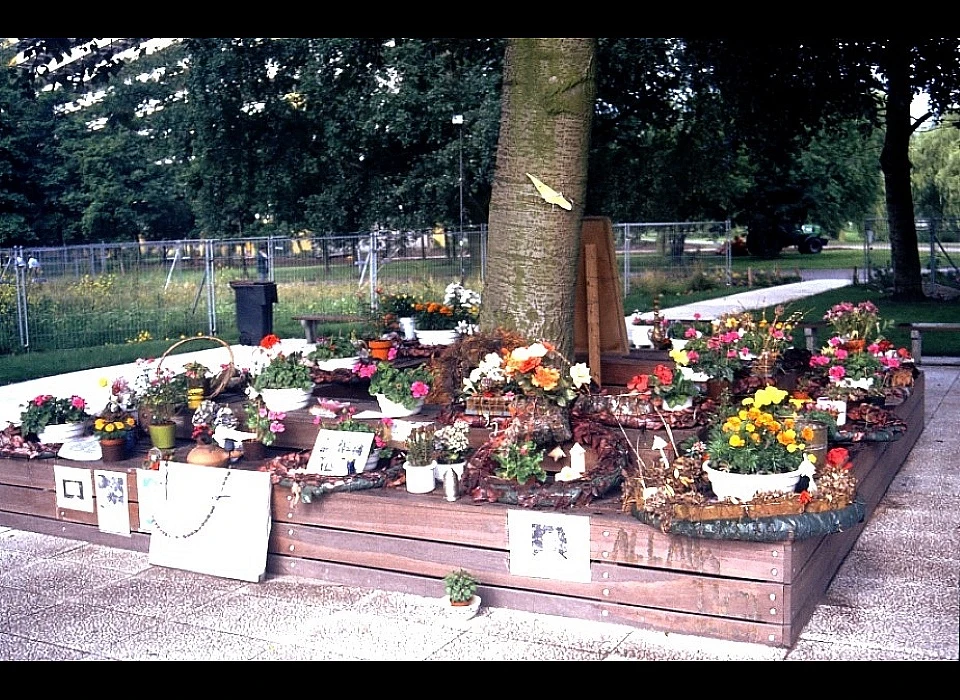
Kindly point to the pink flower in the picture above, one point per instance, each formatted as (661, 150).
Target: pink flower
(387, 422)
(277, 415)
(842, 354)
(690, 333)
(837, 372)
(364, 370)
(277, 427)
(419, 390)
(693, 355)
(392, 353)
(834, 341)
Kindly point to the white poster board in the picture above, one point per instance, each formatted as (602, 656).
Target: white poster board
(549, 545)
(211, 520)
(339, 452)
(113, 512)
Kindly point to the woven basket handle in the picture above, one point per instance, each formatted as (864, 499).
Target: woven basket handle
(222, 379)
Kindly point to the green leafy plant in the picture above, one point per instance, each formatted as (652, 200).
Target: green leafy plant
(159, 392)
(520, 462)
(345, 420)
(460, 586)
(46, 409)
(285, 371)
(420, 446)
(261, 420)
(671, 386)
(333, 348)
(405, 386)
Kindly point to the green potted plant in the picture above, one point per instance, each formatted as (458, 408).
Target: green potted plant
(265, 423)
(285, 382)
(521, 462)
(419, 465)
(670, 387)
(345, 420)
(460, 587)
(112, 430)
(52, 419)
(451, 447)
(400, 391)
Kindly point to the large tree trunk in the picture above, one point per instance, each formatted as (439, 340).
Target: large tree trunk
(547, 108)
(895, 164)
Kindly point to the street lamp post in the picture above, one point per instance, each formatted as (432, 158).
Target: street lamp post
(458, 120)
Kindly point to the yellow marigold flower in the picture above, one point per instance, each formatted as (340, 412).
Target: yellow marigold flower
(792, 447)
(736, 441)
(806, 434)
(98, 424)
(750, 427)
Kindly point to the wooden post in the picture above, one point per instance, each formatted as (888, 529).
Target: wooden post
(593, 312)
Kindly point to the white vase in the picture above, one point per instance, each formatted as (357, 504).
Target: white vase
(408, 327)
(446, 337)
(286, 400)
(392, 409)
(743, 487)
(420, 477)
(440, 469)
(60, 433)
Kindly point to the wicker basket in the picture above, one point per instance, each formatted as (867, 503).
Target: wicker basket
(218, 383)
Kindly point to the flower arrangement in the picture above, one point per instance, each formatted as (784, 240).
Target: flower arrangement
(401, 385)
(399, 305)
(333, 348)
(858, 321)
(458, 311)
(451, 443)
(537, 370)
(282, 370)
(672, 387)
(113, 426)
(196, 371)
(266, 424)
(680, 330)
(718, 356)
(520, 462)
(760, 336)
(46, 409)
(841, 364)
(160, 393)
(759, 438)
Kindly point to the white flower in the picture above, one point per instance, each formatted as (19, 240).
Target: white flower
(580, 374)
(537, 350)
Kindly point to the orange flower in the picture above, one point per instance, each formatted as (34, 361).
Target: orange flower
(805, 497)
(639, 383)
(546, 378)
(269, 341)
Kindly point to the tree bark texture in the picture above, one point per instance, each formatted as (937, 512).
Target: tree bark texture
(895, 164)
(547, 107)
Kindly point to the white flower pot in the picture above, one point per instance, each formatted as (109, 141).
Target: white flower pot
(437, 337)
(61, 432)
(440, 469)
(678, 343)
(834, 405)
(408, 327)
(847, 383)
(694, 376)
(743, 487)
(420, 478)
(678, 407)
(286, 400)
(392, 409)
(640, 335)
(337, 363)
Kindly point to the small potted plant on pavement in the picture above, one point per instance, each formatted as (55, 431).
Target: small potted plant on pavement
(461, 593)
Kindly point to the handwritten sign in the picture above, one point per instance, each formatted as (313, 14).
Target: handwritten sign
(339, 452)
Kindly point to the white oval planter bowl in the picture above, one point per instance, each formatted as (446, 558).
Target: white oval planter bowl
(679, 407)
(420, 478)
(743, 487)
(61, 433)
(392, 409)
(461, 612)
(437, 337)
(286, 400)
(640, 335)
(693, 376)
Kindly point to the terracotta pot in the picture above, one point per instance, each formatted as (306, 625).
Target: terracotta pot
(113, 449)
(716, 387)
(208, 455)
(380, 349)
(855, 345)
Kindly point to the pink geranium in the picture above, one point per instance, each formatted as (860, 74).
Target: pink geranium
(419, 389)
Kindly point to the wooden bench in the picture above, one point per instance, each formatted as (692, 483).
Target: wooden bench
(310, 321)
(916, 334)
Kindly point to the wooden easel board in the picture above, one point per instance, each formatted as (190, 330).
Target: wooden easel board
(598, 232)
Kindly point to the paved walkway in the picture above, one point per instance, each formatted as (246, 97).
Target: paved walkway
(895, 597)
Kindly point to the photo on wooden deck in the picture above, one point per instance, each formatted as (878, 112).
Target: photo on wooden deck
(113, 512)
(74, 488)
(549, 545)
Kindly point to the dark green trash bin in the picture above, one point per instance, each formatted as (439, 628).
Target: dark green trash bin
(255, 302)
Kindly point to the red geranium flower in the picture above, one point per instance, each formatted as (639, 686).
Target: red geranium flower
(269, 341)
(838, 457)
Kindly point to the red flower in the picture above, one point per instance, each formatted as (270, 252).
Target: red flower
(639, 383)
(838, 457)
(269, 341)
(664, 374)
(805, 497)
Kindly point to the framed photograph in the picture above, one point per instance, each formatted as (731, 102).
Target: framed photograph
(549, 545)
(74, 488)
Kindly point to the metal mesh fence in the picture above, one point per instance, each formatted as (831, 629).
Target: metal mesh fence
(115, 293)
(938, 242)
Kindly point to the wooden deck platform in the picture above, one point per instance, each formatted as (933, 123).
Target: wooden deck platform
(390, 539)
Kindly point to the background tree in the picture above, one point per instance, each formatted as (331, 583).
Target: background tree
(547, 107)
(935, 173)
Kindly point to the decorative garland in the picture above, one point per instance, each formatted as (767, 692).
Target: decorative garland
(286, 470)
